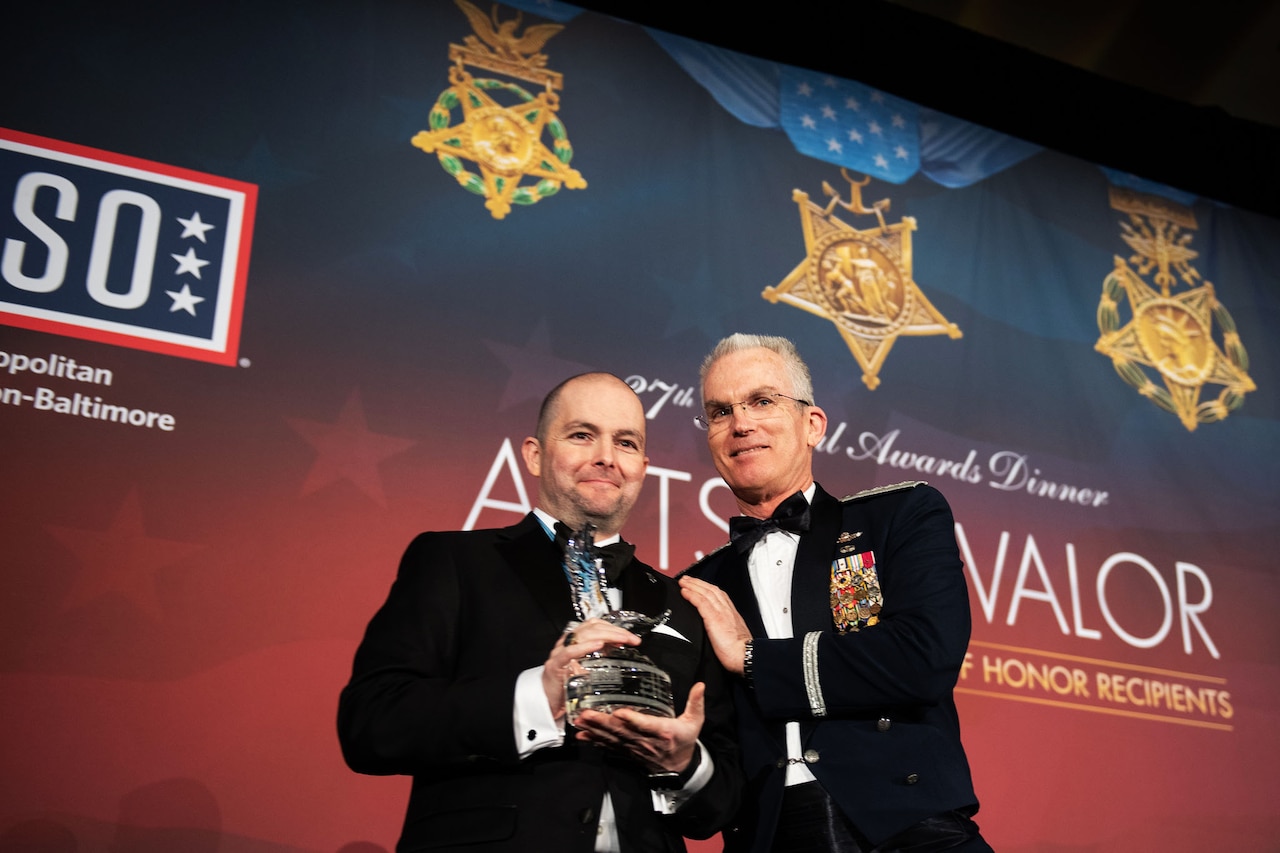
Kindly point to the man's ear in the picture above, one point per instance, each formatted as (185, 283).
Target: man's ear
(817, 425)
(531, 450)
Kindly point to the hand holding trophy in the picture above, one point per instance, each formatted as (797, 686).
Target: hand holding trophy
(616, 676)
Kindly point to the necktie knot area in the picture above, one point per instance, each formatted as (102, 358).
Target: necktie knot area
(616, 556)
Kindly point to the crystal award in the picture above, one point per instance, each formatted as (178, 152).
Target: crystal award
(616, 676)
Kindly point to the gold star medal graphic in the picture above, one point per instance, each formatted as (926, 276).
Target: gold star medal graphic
(859, 280)
(515, 139)
(1167, 336)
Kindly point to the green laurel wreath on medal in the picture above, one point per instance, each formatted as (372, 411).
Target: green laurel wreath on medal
(1229, 399)
(502, 126)
(448, 148)
(1170, 334)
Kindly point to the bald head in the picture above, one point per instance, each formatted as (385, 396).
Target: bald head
(547, 412)
(588, 453)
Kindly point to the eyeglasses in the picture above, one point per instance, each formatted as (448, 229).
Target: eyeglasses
(761, 407)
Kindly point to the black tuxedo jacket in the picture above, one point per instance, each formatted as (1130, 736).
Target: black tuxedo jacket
(432, 691)
(888, 749)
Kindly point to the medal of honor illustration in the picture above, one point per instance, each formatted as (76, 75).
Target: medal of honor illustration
(1173, 344)
(860, 280)
(514, 138)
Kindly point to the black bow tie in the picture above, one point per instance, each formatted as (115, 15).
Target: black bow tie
(616, 556)
(791, 515)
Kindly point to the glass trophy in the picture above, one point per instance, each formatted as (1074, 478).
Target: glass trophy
(616, 676)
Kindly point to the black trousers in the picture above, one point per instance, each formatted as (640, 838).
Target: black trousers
(811, 823)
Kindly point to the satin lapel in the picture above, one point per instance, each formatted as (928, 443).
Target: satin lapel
(811, 581)
(641, 591)
(538, 562)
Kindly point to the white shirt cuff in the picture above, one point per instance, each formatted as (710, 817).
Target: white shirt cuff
(534, 726)
(667, 802)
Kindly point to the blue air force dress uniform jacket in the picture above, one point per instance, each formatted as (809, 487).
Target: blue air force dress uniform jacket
(879, 727)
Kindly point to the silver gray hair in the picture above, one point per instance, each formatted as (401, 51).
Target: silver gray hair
(797, 371)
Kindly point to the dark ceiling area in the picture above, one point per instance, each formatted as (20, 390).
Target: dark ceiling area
(1184, 94)
(1224, 55)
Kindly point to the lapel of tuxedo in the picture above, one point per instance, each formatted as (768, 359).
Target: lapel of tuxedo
(641, 591)
(536, 559)
(811, 579)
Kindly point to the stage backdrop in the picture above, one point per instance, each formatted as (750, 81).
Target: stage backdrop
(283, 283)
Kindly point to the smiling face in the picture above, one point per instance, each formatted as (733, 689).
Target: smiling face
(764, 461)
(590, 461)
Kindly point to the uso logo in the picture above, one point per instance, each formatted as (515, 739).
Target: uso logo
(120, 250)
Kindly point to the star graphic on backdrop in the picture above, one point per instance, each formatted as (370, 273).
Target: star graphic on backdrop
(696, 302)
(534, 368)
(259, 166)
(195, 227)
(347, 450)
(395, 256)
(184, 300)
(122, 559)
(189, 263)
(403, 119)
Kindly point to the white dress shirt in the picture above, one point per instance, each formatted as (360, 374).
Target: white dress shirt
(771, 564)
(536, 728)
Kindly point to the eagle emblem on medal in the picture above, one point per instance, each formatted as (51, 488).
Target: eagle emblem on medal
(513, 138)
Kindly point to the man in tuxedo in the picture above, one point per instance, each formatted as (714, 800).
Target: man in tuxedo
(845, 622)
(459, 681)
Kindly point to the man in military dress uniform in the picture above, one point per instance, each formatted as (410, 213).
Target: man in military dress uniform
(846, 622)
